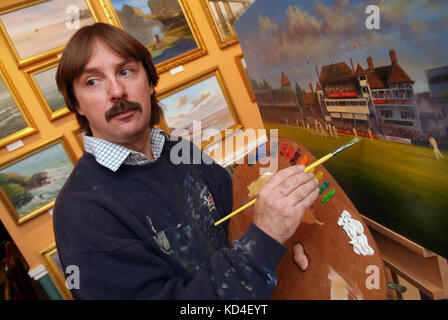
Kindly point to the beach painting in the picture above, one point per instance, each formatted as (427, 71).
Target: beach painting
(160, 25)
(47, 85)
(203, 101)
(34, 181)
(326, 71)
(11, 119)
(42, 27)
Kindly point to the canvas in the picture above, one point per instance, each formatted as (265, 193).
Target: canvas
(41, 26)
(11, 119)
(203, 100)
(33, 181)
(160, 25)
(324, 71)
(47, 85)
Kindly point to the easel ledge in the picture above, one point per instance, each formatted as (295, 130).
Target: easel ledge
(422, 268)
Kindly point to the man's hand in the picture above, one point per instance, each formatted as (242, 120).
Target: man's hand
(283, 200)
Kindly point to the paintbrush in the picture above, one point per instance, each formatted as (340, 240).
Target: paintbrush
(307, 169)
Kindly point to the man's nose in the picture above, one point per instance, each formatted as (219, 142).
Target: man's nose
(117, 90)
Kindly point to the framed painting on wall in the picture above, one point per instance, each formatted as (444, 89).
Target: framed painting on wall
(222, 15)
(30, 183)
(241, 64)
(203, 99)
(42, 79)
(38, 29)
(50, 259)
(165, 27)
(15, 122)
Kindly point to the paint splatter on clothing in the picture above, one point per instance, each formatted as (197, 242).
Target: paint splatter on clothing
(146, 232)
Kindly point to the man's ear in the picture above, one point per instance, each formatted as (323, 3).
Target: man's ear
(78, 109)
(151, 89)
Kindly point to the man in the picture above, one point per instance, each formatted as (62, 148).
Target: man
(435, 147)
(136, 225)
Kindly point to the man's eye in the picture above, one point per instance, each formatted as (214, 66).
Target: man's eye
(91, 82)
(125, 72)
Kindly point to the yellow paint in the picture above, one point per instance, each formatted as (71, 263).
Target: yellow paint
(319, 175)
(340, 289)
(256, 185)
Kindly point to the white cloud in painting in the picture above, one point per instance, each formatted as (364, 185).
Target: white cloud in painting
(325, 34)
(182, 101)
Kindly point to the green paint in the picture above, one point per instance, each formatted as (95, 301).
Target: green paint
(400, 186)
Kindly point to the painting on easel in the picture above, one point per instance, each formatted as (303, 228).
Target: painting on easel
(325, 71)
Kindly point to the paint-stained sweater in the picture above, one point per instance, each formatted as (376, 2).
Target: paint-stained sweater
(146, 232)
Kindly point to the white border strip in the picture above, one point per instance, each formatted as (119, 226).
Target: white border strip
(233, 158)
(38, 272)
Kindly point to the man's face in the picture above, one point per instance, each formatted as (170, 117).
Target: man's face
(114, 95)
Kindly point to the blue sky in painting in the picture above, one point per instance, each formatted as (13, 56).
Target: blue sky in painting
(141, 4)
(49, 158)
(193, 103)
(296, 35)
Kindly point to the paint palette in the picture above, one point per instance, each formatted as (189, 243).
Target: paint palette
(325, 243)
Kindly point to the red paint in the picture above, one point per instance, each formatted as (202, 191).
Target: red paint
(343, 94)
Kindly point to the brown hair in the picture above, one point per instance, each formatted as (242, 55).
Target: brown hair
(78, 52)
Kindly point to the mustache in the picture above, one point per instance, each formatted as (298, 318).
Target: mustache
(120, 106)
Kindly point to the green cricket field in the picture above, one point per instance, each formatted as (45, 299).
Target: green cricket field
(403, 187)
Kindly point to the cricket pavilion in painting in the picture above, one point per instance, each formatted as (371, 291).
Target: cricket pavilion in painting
(379, 99)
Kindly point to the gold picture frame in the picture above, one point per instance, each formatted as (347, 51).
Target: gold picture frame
(17, 110)
(212, 84)
(77, 133)
(242, 69)
(50, 260)
(18, 177)
(222, 22)
(31, 58)
(48, 94)
(177, 60)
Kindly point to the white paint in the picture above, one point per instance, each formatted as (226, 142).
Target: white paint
(177, 70)
(15, 145)
(355, 231)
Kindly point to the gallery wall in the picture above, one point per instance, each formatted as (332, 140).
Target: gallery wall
(34, 232)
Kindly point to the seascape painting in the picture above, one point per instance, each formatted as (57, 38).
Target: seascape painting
(47, 85)
(333, 75)
(160, 25)
(203, 101)
(11, 119)
(36, 180)
(42, 27)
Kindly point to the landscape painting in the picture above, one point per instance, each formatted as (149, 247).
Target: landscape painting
(34, 181)
(41, 27)
(11, 119)
(223, 15)
(334, 74)
(161, 25)
(46, 82)
(204, 100)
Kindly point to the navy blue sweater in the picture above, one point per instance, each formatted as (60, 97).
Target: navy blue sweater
(146, 232)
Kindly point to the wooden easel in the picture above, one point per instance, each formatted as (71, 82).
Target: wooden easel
(427, 271)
